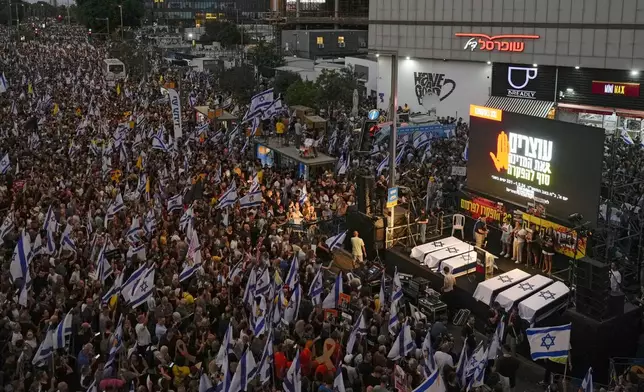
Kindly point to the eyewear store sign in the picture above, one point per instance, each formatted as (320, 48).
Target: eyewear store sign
(502, 43)
(615, 88)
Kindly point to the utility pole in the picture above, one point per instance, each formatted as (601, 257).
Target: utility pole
(121, 9)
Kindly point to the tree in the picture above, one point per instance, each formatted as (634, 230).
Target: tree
(283, 80)
(239, 81)
(336, 88)
(266, 57)
(304, 93)
(94, 12)
(226, 33)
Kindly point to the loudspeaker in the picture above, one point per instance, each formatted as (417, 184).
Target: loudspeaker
(366, 186)
(593, 288)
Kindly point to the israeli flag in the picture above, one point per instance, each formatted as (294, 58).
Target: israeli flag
(50, 223)
(249, 290)
(396, 289)
(114, 290)
(497, 339)
(260, 314)
(293, 308)
(117, 344)
(336, 241)
(549, 342)
(587, 383)
(265, 363)
(273, 109)
(338, 381)
(36, 248)
(138, 251)
(4, 85)
(258, 104)
(45, 350)
(475, 370)
(432, 383)
(252, 199)
(130, 284)
(244, 372)
(236, 271)
(331, 300)
(293, 275)
(114, 208)
(263, 283)
(381, 294)
(626, 137)
(403, 344)
(23, 296)
(466, 151)
(175, 203)
(158, 143)
(383, 165)
(104, 268)
(344, 164)
(186, 219)
(461, 365)
(66, 241)
(133, 232)
(62, 331)
(226, 346)
(20, 260)
(6, 228)
(359, 327)
(304, 196)
(150, 223)
(393, 317)
(5, 164)
(316, 289)
(144, 289)
(293, 380)
(229, 197)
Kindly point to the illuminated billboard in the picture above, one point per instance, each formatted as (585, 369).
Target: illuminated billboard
(525, 159)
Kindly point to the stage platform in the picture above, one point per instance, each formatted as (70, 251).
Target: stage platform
(293, 153)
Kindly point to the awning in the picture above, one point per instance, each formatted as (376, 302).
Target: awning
(531, 107)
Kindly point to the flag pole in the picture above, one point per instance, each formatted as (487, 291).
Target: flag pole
(564, 382)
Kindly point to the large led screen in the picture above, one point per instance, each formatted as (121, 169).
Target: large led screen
(525, 159)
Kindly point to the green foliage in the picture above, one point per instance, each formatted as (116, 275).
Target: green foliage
(226, 33)
(283, 80)
(94, 12)
(266, 55)
(303, 93)
(336, 88)
(239, 81)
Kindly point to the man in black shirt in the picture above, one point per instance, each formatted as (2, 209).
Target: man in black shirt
(422, 221)
(507, 366)
(381, 193)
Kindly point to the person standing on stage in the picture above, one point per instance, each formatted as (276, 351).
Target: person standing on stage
(536, 247)
(615, 279)
(448, 286)
(519, 242)
(506, 238)
(549, 241)
(357, 249)
(480, 231)
(422, 221)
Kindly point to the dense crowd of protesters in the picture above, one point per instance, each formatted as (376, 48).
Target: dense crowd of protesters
(88, 202)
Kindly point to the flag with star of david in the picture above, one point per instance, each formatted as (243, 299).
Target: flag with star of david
(549, 342)
(143, 289)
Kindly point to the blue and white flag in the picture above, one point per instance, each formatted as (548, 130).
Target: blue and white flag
(138, 251)
(103, 268)
(293, 380)
(4, 85)
(461, 365)
(396, 287)
(264, 283)
(158, 143)
(331, 300)
(66, 241)
(133, 232)
(116, 206)
(258, 104)
(626, 137)
(175, 203)
(264, 367)
(293, 275)
(304, 196)
(336, 241)
(235, 271)
(188, 271)
(130, 284)
(252, 199)
(316, 289)
(403, 344)
(383, 165)
(186, 219)
(433, 383)
(393, 317)
(429, 364)
(497, 340)
(5, 164)
(249, 290)
(7, 227)
(549, 342)
(226, 346)
(259, 316)
(475, 370)
(62, 331)
(293, 308)
(359, 328)
(37, 247)
(338, 381)
(381, 293)
(229, 197)
(244, 372)
(45, 350)
(20, 260)
(272, 110)
(343, 164)
(144, 289)
(114, 290)
(466, 152)
(50, 223)
(116, 341)
(149, 223)
(587, 383)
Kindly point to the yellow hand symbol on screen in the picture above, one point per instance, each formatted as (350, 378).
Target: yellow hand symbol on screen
(500, 159)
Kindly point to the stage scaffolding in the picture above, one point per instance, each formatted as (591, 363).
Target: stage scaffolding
(618, 236)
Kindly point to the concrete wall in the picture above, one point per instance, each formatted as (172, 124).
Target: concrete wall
(586, 33)
(372, 67)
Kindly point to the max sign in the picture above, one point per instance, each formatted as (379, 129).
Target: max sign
(501, 43)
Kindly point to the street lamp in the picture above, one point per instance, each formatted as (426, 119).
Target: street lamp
(121, 10)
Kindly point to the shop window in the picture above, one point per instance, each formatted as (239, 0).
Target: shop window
(320, 42)
(340, 42)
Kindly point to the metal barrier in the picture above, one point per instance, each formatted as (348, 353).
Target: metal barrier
(573, 384)
(621, 368)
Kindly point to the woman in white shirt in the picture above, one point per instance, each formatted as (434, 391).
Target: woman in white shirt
(506, 239)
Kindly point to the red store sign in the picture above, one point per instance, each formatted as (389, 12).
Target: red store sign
(502, 43)
(615, 88)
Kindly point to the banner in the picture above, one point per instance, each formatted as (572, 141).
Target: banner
(480, 206)
(175, 107)
(566, 238)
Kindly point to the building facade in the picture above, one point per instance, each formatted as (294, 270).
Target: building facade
(195, 13)
(319, 44)
(580, 47)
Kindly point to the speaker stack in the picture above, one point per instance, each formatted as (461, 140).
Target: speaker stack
(594, 298)
(365, 189)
